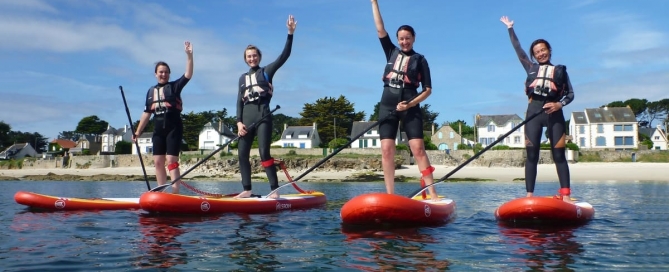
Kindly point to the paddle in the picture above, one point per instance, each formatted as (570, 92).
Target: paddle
(252, 126)
(393, 112)
(414, 194)
(139, 154)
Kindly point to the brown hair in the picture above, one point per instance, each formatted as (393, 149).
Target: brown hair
(161, 63)
(538, 41)
(253, 47)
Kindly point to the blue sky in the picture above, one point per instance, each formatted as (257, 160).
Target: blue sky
(62, 60)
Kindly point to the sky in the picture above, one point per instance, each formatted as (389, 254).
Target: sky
(63, 60)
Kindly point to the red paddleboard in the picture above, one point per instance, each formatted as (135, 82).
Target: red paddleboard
(544, 209)
(381, 209)
(55, 203)
(160, 202)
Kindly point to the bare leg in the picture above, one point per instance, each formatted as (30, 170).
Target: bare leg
(418, 150)
(388, 163)
(174, 173)
(161, 173)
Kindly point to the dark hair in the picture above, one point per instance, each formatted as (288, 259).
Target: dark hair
(538, 41)
(253, 47)
(161, 63)
(407, 28)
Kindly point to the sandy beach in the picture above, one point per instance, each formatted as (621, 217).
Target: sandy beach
(546, 172)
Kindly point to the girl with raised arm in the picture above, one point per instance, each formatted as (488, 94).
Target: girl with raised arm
(255, 93)
(405, 72)
(163, 100)
(548, 89)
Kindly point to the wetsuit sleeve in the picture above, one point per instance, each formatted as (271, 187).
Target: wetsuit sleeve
(180, 83)
(426, 79)
(387, 45)
(240, 101)
(147, 106)
(568, 94)
(271, 68)
(522, 56)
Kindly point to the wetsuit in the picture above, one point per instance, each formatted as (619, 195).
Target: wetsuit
(164, 101)
(538, 94)
(402, 86)
(255, 93)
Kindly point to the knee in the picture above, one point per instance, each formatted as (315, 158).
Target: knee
(532, 154)
(388, 151)
(559, 155)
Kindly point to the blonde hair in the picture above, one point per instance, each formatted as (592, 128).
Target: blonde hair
(253, 47)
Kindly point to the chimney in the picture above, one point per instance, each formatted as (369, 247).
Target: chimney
(314, 125)
(220, 126)
(432, 128)
(285, 126)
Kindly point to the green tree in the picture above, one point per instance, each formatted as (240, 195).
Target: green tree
(193, 124)
(91, 125)
(375, 113)
(123, 147)
(332, 116)
(149, 126)
(4, 135)
(68, 135)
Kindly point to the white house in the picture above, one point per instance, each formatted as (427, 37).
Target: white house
(299, 136)
(145, 144)
(658, 136)
(604, 128)
(371, 138)
(490, 127)
(112, 136)
(18, 151)
(213, 135)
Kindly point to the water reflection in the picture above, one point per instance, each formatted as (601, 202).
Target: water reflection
(159, 245)
(251, 244)
(396, 249)
(543, 247)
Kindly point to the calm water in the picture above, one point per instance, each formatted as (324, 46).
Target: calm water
(629, 233)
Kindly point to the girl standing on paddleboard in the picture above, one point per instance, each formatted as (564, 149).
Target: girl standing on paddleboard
(255, 93)
(549, 90)
(405, 71)
(164, 101)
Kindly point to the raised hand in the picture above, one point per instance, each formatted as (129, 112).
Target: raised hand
(291, 24)
(188, 48)
(506, 21)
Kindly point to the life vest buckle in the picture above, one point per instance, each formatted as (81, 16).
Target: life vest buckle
(396, 83)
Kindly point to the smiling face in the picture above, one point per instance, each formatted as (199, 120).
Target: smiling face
(252, 57)
(162, 73)
(405, 39)
(541, 52)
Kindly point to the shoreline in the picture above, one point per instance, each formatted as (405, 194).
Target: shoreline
(599, 171)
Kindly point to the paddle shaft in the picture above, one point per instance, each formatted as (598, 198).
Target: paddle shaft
(489, 146)
(393, 112)
(252, 126)
(132, 129)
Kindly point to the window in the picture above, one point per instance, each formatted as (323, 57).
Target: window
(369, 132)
(581, 129)
(624, 140)
(491, 140)
(373, 142)
(656, 138)
(600, 128)
(491, 128)
(513, 125)
(440, 135)
(451, 134)
(581, 141)
(208, 135)
(483, 141)
(617, 127)
(628, 128)
(600, 141)
(516, 139)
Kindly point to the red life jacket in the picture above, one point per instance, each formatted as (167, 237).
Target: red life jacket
(546, 81)
(160, 100)
(402, 70)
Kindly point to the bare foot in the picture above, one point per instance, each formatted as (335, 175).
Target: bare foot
(274, 195)
(529, 194)
(244, 194)
(567, 199)
(175, 189)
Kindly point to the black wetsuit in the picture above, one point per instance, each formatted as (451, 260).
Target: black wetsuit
(168, 127)
(554, 122)
(413, 117)
(250, 111)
